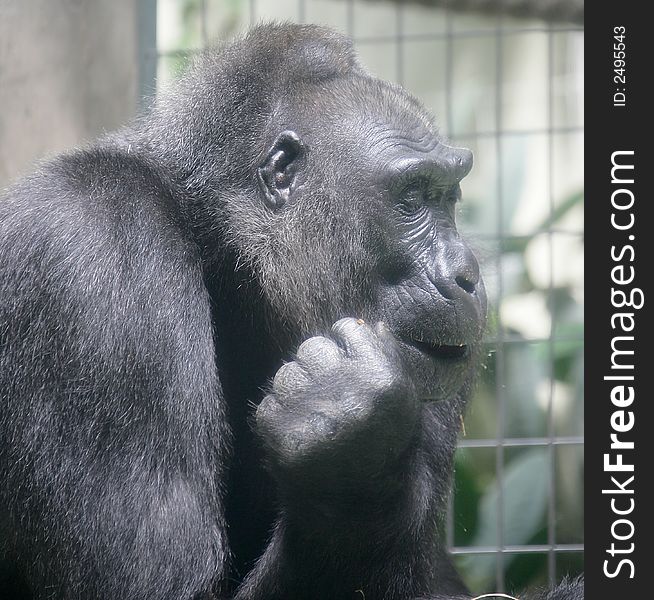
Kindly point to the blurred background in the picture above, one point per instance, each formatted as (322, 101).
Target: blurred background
(504, 79)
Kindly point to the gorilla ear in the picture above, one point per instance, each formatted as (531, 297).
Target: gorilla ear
(279, 169)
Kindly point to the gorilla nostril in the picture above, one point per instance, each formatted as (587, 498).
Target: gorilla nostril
(465, 284)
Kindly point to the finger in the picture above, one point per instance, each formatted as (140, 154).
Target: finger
(356, 337)
(319, 351)
(289, 377)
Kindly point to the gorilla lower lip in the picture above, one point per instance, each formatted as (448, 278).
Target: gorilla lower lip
(442, 351)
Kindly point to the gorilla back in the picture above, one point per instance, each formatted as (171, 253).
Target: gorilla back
(236, 340)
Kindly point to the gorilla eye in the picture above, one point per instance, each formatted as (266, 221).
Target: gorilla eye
(413, 197)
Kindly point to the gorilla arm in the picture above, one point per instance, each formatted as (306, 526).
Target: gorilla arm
(110, 418)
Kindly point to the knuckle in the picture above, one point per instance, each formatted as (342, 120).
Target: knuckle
(345, 327)
(266, 412)
(316, 347)
(289, 376)
(353, 334)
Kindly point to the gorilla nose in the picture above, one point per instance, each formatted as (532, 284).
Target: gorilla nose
(456, 271)
(462, 274)
(465, 284)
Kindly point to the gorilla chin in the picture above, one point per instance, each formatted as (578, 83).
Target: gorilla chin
(188, 406)
(444, 368)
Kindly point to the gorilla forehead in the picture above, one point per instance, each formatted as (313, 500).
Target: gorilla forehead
(358, 111)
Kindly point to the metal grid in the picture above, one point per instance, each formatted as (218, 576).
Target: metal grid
(501, 339)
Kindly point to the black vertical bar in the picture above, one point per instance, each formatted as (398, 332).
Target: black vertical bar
(619, 109)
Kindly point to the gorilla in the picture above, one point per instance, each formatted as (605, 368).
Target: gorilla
(236, 341)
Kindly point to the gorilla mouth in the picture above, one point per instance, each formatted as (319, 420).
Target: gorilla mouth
(441, 351)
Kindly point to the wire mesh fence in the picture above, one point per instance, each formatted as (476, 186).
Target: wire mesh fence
(510, 88)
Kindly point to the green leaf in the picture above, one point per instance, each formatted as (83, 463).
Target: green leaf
(525, 503)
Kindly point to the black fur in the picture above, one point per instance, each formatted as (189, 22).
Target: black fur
(280, 213)
(568, 589)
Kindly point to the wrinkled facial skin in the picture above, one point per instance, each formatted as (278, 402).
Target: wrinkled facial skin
(430, 293)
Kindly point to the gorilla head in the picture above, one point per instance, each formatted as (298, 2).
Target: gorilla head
(372, 192)
(334, 193)
(235, 341)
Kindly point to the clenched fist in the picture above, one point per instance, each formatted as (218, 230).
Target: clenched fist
(342, 414)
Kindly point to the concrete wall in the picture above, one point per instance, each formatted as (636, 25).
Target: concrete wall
(68, 71)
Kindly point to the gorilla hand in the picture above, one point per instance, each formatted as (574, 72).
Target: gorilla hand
(341, 417)
(344, 431)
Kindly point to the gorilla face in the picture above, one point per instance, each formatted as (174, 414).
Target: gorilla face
(387, 174)
(432, 295)
(436, 304)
